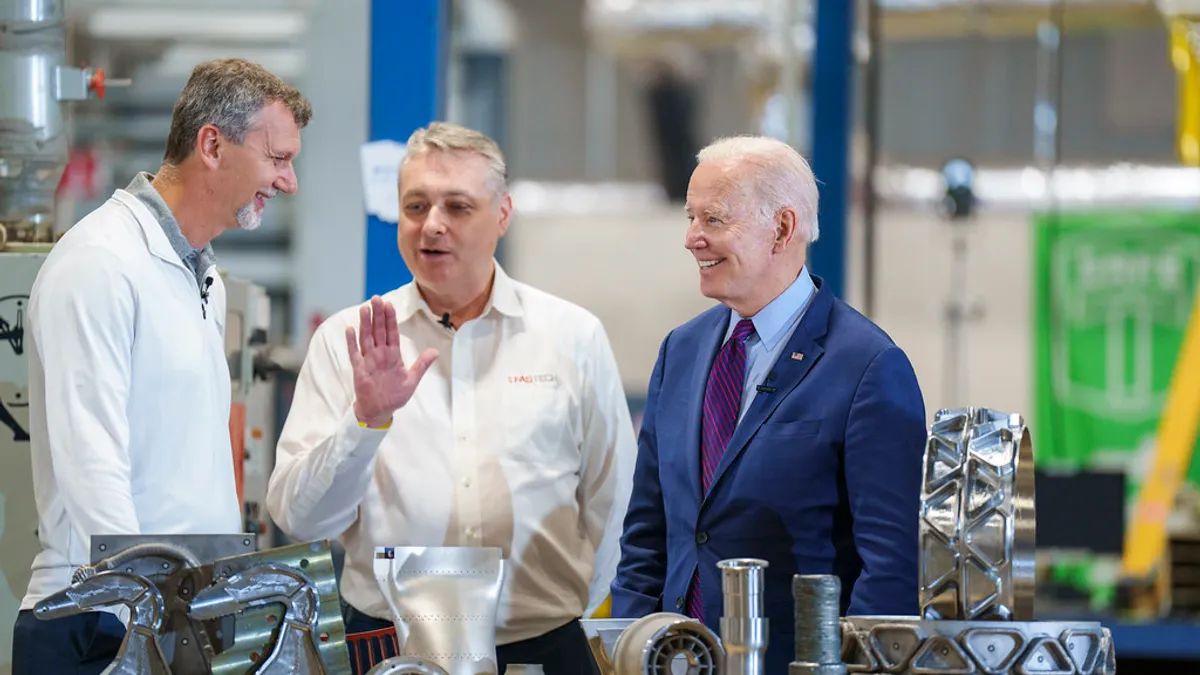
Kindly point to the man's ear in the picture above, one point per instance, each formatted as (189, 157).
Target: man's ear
(785, 228)
(210, 145)
(506, 208)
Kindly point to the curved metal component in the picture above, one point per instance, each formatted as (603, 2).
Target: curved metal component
(818, 632)
(443, 602)
(181, 557)
(406, 665)
(913, 646)
(977, 526)
(744, 630)
(657, 643)
(140, 653)
(295, 650)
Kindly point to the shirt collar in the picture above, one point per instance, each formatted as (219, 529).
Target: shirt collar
(504, 299)
(772, 322)
(198, 260)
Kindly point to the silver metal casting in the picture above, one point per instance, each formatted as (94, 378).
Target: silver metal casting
(744, 629)
(662, 643)
(818, 632)
(443, 602)
(912, 646)
(977, 525)
(295, 649)
(139, 653)
(406, 665)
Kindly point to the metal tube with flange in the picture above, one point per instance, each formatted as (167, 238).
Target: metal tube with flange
(743, 623)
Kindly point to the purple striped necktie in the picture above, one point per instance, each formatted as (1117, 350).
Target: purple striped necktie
(722, 402)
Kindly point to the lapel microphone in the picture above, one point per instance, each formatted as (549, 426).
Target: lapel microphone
(208, 281)
(446, 322)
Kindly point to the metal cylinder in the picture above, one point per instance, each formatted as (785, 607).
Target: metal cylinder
(33, 141)
(743, 624)
(818, 628)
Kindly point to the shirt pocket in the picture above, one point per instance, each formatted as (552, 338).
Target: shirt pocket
(536, 423)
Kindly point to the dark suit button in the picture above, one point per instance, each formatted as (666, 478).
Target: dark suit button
(678, 603)
(701, 537)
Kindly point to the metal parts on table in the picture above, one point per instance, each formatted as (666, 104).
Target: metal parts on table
(295, 650)
(140, 653)
(443, 602)
(818, 633)
(977, 525)
(912, 646)
(406, 665)
(654, 644)
(744, 627)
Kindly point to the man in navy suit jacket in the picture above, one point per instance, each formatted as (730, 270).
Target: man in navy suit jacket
(802, 446)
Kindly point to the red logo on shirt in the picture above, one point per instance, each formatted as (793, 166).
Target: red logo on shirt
(544, 378)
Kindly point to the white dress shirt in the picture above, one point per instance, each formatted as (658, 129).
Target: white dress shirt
(518, 437)
(128, 393)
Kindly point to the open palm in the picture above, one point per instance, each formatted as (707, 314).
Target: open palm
(382, 383)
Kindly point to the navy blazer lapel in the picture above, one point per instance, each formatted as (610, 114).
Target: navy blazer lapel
(708, 338)
(799, 355)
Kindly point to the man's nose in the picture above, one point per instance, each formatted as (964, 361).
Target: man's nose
(287, 182)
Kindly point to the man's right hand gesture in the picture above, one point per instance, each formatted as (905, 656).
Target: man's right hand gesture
(382, 385)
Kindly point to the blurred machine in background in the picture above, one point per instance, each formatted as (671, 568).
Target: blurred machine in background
(36, 87)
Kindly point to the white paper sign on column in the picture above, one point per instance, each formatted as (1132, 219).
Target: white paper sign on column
(381, 171)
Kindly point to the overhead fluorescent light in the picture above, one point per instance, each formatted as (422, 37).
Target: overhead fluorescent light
(180, 23)
(180, 59)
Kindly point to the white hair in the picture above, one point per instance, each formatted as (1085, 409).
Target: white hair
(782, 178)
(449, 137)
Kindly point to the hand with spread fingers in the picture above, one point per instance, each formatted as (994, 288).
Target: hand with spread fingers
(382, 383)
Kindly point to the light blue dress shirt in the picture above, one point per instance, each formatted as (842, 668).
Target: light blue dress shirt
(773, 325)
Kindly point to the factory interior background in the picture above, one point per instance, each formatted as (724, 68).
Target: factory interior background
(1008, 188)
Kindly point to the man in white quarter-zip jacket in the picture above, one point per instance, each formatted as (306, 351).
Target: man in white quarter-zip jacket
(129, 386)
(464, 409)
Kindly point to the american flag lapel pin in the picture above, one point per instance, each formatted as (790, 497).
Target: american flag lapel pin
(797, 356)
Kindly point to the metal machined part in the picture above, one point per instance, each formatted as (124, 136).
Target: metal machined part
(744, 628)
(443, 602)
(665, 643)
(818, 630)
(174, 557)
(406, 665)
(977, 524)
(139, 653)
(295, 650)
(913, 646)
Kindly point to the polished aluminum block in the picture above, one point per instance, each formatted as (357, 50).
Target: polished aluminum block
(911, 646)
(444, 602)
(977, 525)
(665, 643)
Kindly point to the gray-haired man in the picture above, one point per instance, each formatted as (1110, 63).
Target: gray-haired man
(129, 386)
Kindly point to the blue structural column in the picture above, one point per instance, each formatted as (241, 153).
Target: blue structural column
(407, 90)
(832, 119)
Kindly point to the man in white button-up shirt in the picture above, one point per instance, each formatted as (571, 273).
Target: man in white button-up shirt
(467, 409)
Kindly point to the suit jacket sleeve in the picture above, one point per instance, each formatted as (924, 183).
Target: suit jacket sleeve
(638, 586)
(885, 443)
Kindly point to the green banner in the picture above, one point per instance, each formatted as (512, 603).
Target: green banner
(1112, 296)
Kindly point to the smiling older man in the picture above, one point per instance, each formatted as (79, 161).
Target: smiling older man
(781, 424)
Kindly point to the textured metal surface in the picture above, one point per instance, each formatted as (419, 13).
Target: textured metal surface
(977, 524)
(189, 645)
(139, 653)
(255, 629)
(294, 650)
(406, 665)
(663, 643)
(443, 601)
(818, 632)
(744, 633)
(911, 646)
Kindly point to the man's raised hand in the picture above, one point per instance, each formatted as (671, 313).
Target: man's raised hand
(382, 384)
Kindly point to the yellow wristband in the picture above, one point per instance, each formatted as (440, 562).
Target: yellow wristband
(386, 426)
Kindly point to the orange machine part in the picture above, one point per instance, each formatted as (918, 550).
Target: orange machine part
(237, 437)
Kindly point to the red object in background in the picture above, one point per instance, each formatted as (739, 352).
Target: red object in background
(81, 178)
